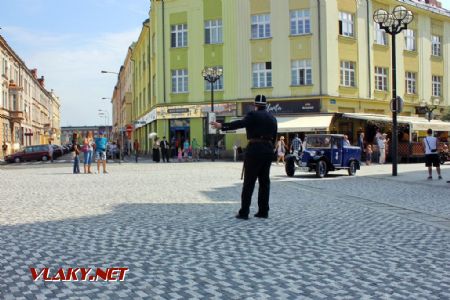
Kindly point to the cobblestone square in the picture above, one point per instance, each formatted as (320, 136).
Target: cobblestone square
(371, 236)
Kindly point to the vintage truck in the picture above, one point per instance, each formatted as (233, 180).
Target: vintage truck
(323, 153)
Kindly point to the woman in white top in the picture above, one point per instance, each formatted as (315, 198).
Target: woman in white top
(431, 155)
(281, 149)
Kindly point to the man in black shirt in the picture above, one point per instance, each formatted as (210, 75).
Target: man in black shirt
(261, 130)
(164, 145)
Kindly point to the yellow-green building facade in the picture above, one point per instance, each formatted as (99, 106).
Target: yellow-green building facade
(309, 57)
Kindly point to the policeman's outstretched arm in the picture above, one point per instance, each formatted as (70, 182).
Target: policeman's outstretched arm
(216, 125)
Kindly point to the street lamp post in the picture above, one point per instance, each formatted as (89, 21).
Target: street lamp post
(429, 108)
(212, 75)
(120, 100)
(105, 114)
(393, 23)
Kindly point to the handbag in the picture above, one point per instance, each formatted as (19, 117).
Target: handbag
(85, 148)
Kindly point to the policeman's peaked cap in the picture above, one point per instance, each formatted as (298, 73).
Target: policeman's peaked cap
(260, 100)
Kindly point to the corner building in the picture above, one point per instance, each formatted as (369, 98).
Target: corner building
(324, 65)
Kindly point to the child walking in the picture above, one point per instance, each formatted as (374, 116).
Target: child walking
(76, 159)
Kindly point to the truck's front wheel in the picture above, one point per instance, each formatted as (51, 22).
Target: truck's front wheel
(290, 166)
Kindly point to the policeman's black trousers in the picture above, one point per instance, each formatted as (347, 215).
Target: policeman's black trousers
(256, 167)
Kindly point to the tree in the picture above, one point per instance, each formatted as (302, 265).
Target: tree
(446, 116)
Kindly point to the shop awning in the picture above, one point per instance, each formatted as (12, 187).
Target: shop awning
(301, 124)
(415, 123)
(304, 123)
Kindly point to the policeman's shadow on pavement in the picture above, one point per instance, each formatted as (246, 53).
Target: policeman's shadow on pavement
(307, 176)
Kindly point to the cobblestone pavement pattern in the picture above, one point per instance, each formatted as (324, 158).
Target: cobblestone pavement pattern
(173, 226)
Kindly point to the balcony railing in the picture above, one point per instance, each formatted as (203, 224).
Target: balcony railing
(16, 115)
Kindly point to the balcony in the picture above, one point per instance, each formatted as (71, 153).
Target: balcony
(16, 116)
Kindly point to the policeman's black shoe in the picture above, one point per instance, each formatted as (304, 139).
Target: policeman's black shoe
(239, 216)
(261, 215)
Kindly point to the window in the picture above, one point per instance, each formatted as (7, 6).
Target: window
(300, 22)
(179, 35)
(410, 40)
(218, 85)
(5, 67)
(410, 83)
(260, 26)
(348, 73)
(262, 75)
(301, 72)
(14, 103)
(436, 45)
(346, 24)
(5, 100)
(437, 80)
(380, 35)
(213, 32)
(180, 81)
(381, 79)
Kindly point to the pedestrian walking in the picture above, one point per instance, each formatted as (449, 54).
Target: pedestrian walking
(50, 151)
(431, 156)
(88, 150)
(369, 152)
(180, 154)
(186, 150)
(155, 148)
(165, 149)
(296, 145)
(382, 148)
(100, 152)
(195, 150)
(76, 158)
(4, 149)
(136, 149)
(261, 129)
(361, 143)
(280, 150)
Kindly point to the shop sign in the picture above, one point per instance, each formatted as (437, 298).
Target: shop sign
(147, 119)
(288, 107)
(221, 109)
(180, 110)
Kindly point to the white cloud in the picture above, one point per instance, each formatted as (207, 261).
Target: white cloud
(71, 66)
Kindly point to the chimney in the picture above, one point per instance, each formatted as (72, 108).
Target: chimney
(41, 81)
(34, 73)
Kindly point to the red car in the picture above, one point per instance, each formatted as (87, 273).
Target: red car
(36, 152)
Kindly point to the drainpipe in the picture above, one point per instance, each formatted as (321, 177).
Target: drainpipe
(368, 50)
(164, 50)
(320, 48)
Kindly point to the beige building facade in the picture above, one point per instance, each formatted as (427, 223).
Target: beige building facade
(29, 114)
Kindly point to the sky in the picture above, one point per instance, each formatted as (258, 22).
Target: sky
(70, 42)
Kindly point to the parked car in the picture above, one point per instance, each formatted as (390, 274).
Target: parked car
(57, 151)
(36, 152)
(323, 153)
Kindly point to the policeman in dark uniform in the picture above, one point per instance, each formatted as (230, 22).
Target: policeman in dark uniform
(261, 130)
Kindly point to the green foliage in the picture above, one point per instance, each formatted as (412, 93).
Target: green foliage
(446, 116)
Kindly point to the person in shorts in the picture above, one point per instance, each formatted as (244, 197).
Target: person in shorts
(431, 155)
(100, 152)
